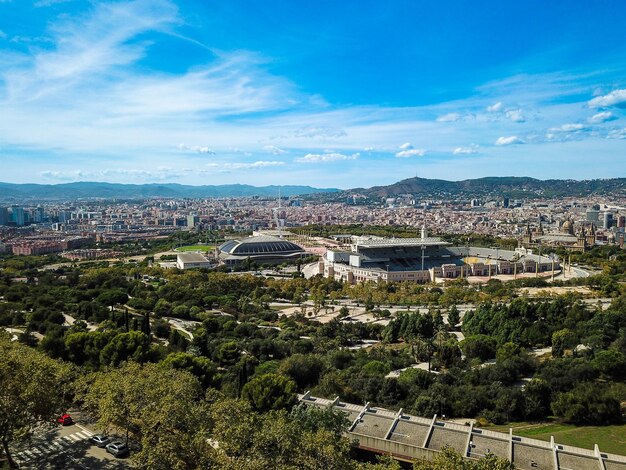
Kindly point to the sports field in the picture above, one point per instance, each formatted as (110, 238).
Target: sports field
(196, 248)
(610, 439)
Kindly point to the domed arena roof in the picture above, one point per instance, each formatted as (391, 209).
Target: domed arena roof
(261, 245)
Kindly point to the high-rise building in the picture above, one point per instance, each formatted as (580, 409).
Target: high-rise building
(4, 216)
(17, 215)
(592, 215)
(607, 220)
(38, 215)
(192, 220)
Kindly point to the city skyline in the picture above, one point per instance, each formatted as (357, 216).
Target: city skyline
(327, 95)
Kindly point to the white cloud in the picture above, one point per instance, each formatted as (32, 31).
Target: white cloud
(450, 117)
(472, 149)
(615, 98)
(601, 117)
(510, 140)
(274, 150)
(411, 153)
(407, 151)
(515, 115)
(159, 173)
(326, 157)
(244, 166)
(319, 132)
(617, 134)
(196, 148)
(568, 128)
(3, 35)
(494, 108)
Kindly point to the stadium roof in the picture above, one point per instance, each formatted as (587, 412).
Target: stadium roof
(259, 245)
(397, 242)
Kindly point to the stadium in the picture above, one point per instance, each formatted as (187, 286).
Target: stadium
(427, 259)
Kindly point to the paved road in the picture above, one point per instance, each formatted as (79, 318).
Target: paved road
(65, 447)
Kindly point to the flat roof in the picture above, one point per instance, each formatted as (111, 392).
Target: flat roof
(397, 242)
(192, 258)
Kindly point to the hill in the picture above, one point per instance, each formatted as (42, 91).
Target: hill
(81, 190)
(517, 187)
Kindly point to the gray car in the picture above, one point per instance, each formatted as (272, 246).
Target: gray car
(100, 440)
(117, 448)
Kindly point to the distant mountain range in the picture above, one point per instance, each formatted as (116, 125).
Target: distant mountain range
(508, 186)
(83, 190)
(512, 187)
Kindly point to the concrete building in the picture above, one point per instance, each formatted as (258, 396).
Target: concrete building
(192, 260)
(4, 216)
(409, 438)
(425, 260)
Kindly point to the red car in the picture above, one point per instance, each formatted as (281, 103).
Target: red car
(65, 420)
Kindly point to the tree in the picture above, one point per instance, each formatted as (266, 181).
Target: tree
(480, 346)
(228, 353)
(249, 440)
(449, 459)
(454, 316)
(562, 340)
(32, 388)
(201, 367)
(588, 403)
(611, 362)
(112, 297)
(305, 370)
(270, 392)
(160, 407)
(132, 345)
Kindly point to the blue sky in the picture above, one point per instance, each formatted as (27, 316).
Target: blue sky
(326, 93)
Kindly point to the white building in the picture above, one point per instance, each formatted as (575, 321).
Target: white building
(192, 260)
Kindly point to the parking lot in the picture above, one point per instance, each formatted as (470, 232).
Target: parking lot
(65, 447)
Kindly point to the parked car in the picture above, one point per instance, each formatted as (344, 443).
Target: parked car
(100, 440)
(65, 420)
(117, 448)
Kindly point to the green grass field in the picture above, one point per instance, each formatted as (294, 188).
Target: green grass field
(196, 248)
(610, 439)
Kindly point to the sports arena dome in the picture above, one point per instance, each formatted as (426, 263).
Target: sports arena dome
(261, 249)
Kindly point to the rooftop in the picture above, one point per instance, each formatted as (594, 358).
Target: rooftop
(398, 242)
(192, 258)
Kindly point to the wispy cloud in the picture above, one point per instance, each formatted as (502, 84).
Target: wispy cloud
(326, 157)
(617, 134)
(568, 128)
(470, 150)
(450, 117)
(274, 150)
(510, 140)
(515, 115)
(93, 88)
(245, 166)
(601, 117)
(196, 148)
(615, 98)
(411, 153)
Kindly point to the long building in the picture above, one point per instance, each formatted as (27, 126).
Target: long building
(426, 259)
(409, 438)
